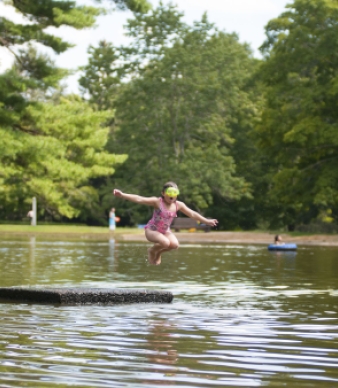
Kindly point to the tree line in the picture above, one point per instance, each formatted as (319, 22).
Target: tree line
(252, 142)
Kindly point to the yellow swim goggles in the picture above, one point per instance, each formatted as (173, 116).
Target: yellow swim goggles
(172, 191)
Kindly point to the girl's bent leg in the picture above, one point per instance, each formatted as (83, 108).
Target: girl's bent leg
(173, 245)
(157, 238)
(160, 242)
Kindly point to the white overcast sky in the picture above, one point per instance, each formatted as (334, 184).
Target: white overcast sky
(245, 17)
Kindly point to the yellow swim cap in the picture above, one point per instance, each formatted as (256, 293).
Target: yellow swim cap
(172, 191)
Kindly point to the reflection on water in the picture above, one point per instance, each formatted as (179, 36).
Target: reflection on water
(241, 316)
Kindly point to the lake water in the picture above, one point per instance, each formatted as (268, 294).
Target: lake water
(241, 317)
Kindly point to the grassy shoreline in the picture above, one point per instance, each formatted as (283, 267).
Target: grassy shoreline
(65, 229)
(81, 232)
(84, 229)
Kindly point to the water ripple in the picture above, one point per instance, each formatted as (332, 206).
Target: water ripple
(240, 317)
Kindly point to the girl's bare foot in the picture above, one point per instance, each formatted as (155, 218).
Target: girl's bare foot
(153, 257)
(158, 259)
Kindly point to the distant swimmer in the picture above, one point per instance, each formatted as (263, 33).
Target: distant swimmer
(279, 240)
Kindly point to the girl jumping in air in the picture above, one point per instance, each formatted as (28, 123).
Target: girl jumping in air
(157, 229)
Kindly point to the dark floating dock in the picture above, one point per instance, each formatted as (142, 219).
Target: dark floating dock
(71, 296)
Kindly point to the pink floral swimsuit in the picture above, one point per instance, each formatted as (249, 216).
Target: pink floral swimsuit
(161, 219)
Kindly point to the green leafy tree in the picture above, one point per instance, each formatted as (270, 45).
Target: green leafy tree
(40, 15)
(52, 148)
(55, 151)
(34, 76)
(175, 116)
(101, 77)
(298, 131)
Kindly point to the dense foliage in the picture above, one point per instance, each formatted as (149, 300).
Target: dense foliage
(175, 118)
(51, 147)
(298, 132)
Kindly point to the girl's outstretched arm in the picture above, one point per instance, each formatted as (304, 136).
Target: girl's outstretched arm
(196, 216)
(150, 201)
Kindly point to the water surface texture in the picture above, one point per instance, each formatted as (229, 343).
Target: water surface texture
(241, 317)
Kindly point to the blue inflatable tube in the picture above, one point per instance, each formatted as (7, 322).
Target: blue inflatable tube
(282, 247)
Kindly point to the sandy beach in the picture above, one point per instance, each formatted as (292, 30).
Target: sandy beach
(242, 238)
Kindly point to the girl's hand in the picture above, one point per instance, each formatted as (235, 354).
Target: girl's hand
(212, 222)
(117, 193)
